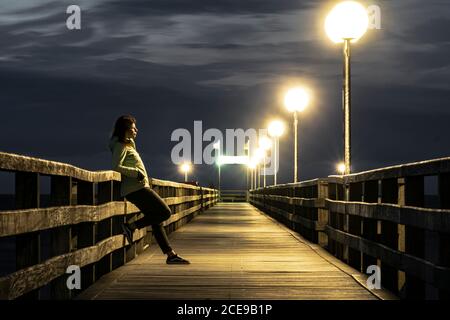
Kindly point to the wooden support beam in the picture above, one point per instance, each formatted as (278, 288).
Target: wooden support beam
(61, 237)
(28, 246)
(86, 195)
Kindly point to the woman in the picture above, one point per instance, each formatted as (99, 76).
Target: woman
(135, 187)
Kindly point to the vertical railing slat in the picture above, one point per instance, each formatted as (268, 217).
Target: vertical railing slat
(61, 238)
(86, 231)
(28, 246)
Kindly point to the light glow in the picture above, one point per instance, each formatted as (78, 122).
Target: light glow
(296, 99)
(276, 128)
(265, 143)
(186, 167)
(341, 168)
(347, 20)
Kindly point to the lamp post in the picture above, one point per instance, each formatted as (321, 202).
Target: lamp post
(217, 147)
(264, 143)
(185, 168)
(296, 100)
(259, 155)
(347, 22)
(247, 153)
(254, 176)
(276, 129)
(255, 168)
(251, 166)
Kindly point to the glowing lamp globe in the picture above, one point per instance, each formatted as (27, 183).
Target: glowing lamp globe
(185, 167)
(276, 128)
(296, 99)
(347, 20)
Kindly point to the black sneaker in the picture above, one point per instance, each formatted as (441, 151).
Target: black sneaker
(128, 233)
(176, 259)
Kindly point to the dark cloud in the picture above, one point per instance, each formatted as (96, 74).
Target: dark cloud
(433, 31)
(172, 62)
(223, 7)
(426, 60)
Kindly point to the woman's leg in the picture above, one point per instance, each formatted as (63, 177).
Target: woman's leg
(155, 211)
(161, 237)
(153, 207)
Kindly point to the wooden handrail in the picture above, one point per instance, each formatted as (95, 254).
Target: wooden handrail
(377, 217)
(420, 168)
(15, 162)
(83, 224)
(429, 219)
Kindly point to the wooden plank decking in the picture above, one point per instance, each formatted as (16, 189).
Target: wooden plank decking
(236, 252)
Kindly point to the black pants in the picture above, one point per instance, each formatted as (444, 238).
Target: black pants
(155, 211)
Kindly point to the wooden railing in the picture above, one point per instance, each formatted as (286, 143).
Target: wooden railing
(79, 224)
(300, 206)
(381, 217)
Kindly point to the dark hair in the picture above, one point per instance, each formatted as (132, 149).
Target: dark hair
(123, 123)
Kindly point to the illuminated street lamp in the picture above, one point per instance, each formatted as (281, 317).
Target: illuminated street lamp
(296, 100)
(247, 155)
(252, 166)
(185, 168)
(216, 146)
(259, 155)
(341, 168)
(276, 129)
(347, 23)
(254, 163)
(265, 144)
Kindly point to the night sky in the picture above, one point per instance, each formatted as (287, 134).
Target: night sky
(226, 63)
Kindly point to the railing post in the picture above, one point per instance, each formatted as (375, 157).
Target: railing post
(104, 228)
(107, 192)
(436, 243)
(444, 190)
(322, 214)
(130, 249)
(414, 237)
(432, 254)
(332, 195)
(389, 234)
(28, 246)
(86, 231)
(61, 238)
(401, 229)
(356, 193)
(202, 207)
(369, 226)
(444, 199)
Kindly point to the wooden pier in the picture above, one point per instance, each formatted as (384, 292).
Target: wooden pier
(236, 252)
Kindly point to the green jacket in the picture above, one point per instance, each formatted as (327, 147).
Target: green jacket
(126, 160)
